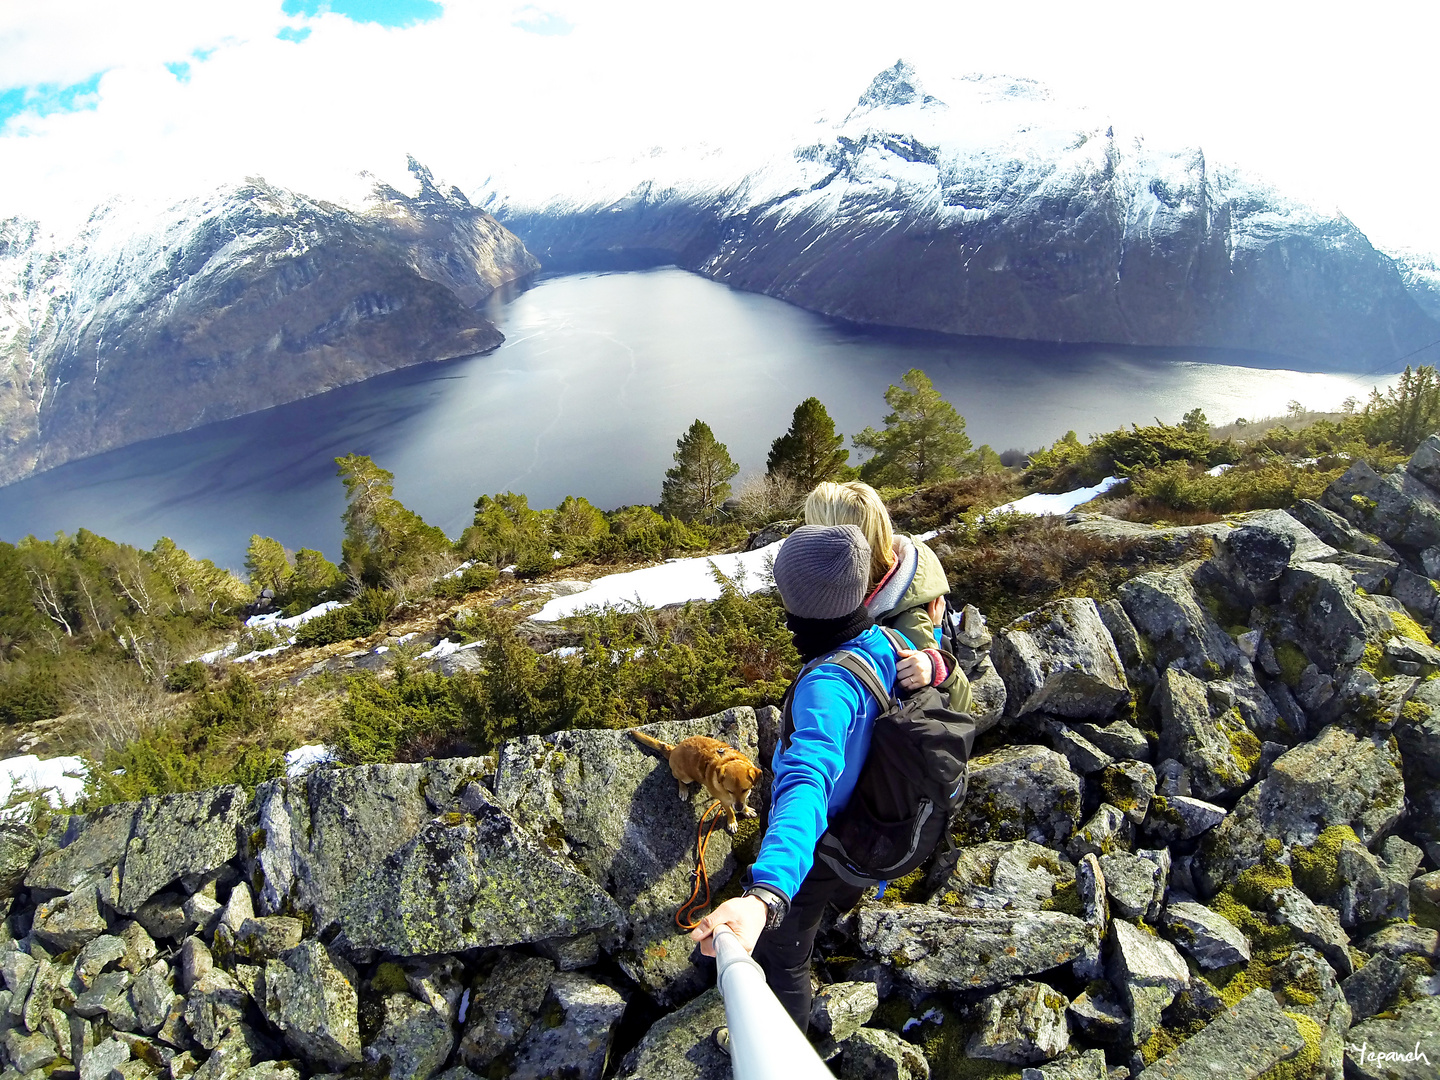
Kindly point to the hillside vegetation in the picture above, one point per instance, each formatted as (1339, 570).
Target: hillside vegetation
(98, 640)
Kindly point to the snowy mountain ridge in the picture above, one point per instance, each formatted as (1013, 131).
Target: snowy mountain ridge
(156, 318)
(986, 207)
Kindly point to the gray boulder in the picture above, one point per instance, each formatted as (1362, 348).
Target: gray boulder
(1119, 738)
(609, 806)
(1020, 793)
(102, 1057)
(1310, 989)
(680, 1047)
(1134, 884)
(1141, 959)
(195, 960)
(1246, 1040)
(1083, 755)
(212, 1007)
(89, 848)
(1250, 559)
(1396, 507)
(999, 876)
(937, 949)
(413, 1040)
(575, 1040)
(1060, 659)
(503, 1007)
(1395, 1048)
(30, 1053)
(873, 1054)
(98, 956)
(70, 921)
(1207, 747)
(434, 884)
(174, 836)
(1374, 987)
(987, 695)
(1128, 786)
(1099, 1014)
(152, 997)
(1175, 626)
(1424, 464)
(1170, 819)
(1109, 830)
(1085, 1065)
(267, 937)
(838, 1010)
(1335, 622)
(1023, 1024)
(1334, 530)
(311, 997)
(1211, 940)
(236, 1052)
(140, 948)
(1131, 650)
(1400, 940)
(1314, 924)
(163, 916)
(1335, 779)
(18, 847)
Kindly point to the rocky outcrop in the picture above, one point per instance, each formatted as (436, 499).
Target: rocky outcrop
(1051, 226)
(152, 323)
(1121, 877)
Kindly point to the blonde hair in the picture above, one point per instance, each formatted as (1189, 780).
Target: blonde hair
(855, 503)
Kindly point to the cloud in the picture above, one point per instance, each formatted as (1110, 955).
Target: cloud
(306, 95)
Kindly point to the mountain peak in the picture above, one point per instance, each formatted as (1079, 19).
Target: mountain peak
(896, 85)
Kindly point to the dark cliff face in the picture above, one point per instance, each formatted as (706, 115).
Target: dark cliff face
(904, 216)
(251, 298)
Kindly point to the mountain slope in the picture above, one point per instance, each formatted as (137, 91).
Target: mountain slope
(148, 324)
(995, 211)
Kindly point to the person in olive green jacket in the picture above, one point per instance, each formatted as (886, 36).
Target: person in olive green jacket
(907, 583)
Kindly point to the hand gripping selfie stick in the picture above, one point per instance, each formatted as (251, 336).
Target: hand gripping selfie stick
(765, 1044)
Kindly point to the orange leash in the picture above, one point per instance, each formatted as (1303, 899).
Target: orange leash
(688, 916)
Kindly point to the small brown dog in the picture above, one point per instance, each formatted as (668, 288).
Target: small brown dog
(726, 773)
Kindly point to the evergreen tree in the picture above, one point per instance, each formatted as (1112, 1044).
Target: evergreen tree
(382, 537)
(924, 438)
(505, 531)
(268, 565)
(576, 525)
(1408, 411)
(315, 578)
(810, 451)
(699, 483)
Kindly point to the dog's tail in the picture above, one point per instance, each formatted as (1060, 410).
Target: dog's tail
(663, 748)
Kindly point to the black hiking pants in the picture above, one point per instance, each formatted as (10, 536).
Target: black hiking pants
(784, 953)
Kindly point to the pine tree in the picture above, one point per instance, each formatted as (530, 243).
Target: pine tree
(810, 451)
(382, 537)
(268, 564)
(699, 483)
(924, 438)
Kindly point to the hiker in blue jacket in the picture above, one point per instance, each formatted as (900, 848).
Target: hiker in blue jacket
(822, 573)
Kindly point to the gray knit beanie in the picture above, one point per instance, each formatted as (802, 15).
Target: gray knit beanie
(822, 571)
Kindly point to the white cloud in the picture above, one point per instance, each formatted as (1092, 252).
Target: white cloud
(1336, 112)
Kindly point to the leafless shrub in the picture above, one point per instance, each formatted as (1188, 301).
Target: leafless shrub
(117, 704)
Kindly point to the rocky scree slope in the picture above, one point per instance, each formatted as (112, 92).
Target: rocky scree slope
(148, 324)
(1204, 829)
(995, 211)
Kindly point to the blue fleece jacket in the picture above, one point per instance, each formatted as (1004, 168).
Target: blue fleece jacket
(815, 775)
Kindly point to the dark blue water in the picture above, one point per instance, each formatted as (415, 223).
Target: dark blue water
(599, 375)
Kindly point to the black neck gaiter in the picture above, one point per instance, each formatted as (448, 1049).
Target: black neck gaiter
(816, 637)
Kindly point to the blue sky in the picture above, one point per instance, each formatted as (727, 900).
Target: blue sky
(164, 97)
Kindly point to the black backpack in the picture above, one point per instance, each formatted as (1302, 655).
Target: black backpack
(911, 785)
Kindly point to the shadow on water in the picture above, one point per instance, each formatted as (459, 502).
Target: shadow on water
(600, 373)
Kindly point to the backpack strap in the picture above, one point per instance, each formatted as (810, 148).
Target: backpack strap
(856, 665)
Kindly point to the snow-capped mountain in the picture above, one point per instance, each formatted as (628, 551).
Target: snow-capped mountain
(987, 207)
(155, 320)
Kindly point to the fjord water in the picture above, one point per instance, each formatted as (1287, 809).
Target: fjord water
(598, 376)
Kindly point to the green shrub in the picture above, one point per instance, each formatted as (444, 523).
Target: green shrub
(1069, 464)
(229, 735)
(364, 616)
(190, 676)
(30, 692)
(471, 579)
(1262, 485)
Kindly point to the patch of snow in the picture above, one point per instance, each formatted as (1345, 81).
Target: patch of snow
(61, 778)
(673, 582)
(218, 654)
(566, 650)
(1218, 470)
(260, 654)
(404, 638)
(1041, 505)
(445, 647)
(459, 569)
(302, 759)
(274, 620)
